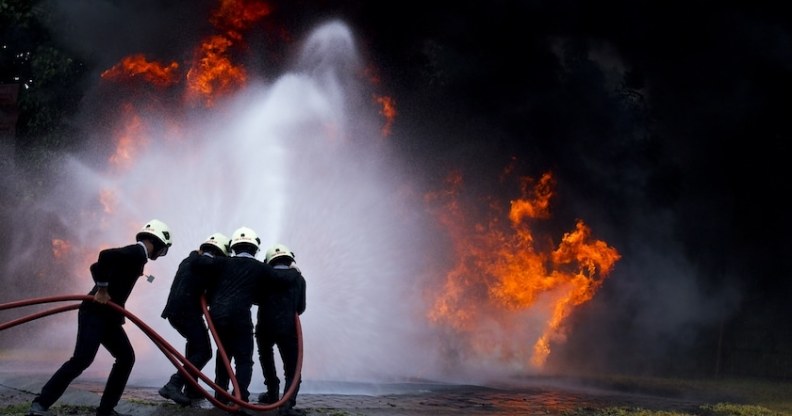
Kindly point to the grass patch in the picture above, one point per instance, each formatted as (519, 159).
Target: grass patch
(729, 409)
(65, 409)
(720, 409)
(623, 411)
(15, 410)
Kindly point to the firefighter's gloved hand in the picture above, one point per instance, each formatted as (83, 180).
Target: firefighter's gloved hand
(293, 265)
(102, 296)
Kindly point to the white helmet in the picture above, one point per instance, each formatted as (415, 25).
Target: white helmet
(245, 235)
(157, 229)
(278, 250)
(218, 240)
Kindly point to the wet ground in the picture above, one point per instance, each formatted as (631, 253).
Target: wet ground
(535, 396)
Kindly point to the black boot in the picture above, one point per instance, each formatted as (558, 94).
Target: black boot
(172, 391)
(193, 394)
(272, 394)
(268, 397)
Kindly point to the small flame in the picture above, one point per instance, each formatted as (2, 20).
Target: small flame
(388, 111)
(502, 273)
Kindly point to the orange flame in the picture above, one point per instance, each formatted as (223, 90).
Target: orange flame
(213, 74)
(388, 111)
(135, 66)
(501, 273)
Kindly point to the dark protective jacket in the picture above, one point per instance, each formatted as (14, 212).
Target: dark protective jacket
(189, 284)
(279, 300)
(239, 279)
(118, 269)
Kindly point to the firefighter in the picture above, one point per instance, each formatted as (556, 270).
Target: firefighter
(230, 301)
(183, 311)
(278, 304)
(114, 274)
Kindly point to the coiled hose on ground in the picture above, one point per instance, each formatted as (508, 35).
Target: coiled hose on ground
(186, 368)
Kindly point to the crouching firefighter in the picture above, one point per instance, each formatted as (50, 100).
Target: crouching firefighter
(184, 312)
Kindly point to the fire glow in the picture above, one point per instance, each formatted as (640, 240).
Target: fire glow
(130, 140)
(501, 270)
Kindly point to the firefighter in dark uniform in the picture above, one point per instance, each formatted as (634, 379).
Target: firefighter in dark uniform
(278, 304)
(230, 301)
(183, 311)
(115, 274)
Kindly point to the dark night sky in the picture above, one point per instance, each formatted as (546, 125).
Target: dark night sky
(666, 125)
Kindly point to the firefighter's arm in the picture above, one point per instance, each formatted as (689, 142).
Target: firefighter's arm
(101, 278)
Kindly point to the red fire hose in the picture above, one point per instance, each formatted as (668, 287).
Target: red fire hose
(184, 366)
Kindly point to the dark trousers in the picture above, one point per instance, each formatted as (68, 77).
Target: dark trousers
(198, 348)
(288, 348)
(94, 329)
(236, 335)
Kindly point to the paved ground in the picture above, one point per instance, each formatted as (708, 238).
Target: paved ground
(528, 397)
